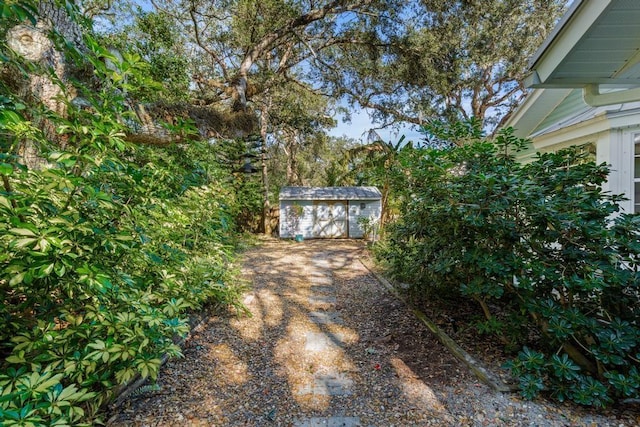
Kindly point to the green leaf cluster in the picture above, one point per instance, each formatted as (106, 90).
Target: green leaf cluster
(153, 37)
(543, 242)
(105, 249)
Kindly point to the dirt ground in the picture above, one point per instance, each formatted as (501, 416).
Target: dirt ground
(327, 345)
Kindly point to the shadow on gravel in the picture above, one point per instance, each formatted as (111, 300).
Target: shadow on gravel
(325, 346)
(299, 356)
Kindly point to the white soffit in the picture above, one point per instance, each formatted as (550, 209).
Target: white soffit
(598, 42)
(535, 108)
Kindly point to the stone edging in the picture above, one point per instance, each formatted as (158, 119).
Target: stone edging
(481, 372)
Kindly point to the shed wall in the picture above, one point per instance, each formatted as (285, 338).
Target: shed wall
(289, 226)
(305, 225)
(372, 210)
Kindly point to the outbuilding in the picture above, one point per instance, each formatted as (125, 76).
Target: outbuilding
(329, 212)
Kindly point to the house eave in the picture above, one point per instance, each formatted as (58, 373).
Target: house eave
(534, 109)
(545, 138)
(625, 116)
(573, 26)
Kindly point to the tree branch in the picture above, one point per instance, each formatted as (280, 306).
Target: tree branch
(212, 54)
(268, 40)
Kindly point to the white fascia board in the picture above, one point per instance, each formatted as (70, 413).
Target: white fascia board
(624, 119)
(578, 21)
(575, 133)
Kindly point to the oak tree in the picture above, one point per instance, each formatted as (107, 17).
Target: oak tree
(450, 60)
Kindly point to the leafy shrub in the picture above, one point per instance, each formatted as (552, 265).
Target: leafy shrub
(544, 243)
(104, 250)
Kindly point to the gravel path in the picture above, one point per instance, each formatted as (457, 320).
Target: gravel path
(326, 345)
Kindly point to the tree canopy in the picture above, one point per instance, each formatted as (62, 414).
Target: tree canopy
(408, 60)
(449, 60)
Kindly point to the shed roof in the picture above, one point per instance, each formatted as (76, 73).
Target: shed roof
(330, 193)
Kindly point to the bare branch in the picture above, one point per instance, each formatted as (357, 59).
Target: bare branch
(301, 21)
(212, 54)
(366, 102)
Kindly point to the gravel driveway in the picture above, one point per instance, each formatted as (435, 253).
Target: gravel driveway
(326, 345)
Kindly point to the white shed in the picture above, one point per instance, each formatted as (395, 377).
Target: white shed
(328, 212)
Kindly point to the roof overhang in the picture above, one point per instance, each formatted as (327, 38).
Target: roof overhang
(596, 44)
(533, 110)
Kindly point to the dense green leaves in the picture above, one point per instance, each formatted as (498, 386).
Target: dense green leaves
(18, 11)
(97, 278)
(542, 242)
(105, 248)
(449, 59)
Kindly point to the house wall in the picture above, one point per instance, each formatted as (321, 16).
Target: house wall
(289, 226)
(614, 146)
(624, 152)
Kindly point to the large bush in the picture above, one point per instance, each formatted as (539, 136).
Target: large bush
(542, 250)
(104, 249)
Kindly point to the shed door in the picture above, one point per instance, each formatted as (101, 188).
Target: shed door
(331, 219)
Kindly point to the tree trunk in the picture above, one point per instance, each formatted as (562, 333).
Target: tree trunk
(291, 144)
(266, 207)
(52, 88)
(47, 85)
(385, 216)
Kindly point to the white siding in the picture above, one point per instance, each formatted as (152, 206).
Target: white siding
(289, 226)
(611, 150)
(372, 210)
(625, 168)
(616, 148)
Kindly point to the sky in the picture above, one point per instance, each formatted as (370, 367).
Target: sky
(361, 124)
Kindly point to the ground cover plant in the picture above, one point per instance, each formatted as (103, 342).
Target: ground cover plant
(543, 251)
(105, 247)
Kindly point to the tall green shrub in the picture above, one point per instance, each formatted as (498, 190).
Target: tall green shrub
(542, 242)
(103, 251)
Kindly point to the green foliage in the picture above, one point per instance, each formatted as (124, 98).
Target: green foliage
(243, 179)
(13, 12)
(104, 251)
(379, 163)
(369, 226)
(544, 243)
(145, 389)
(439, 134)
(153, 37)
